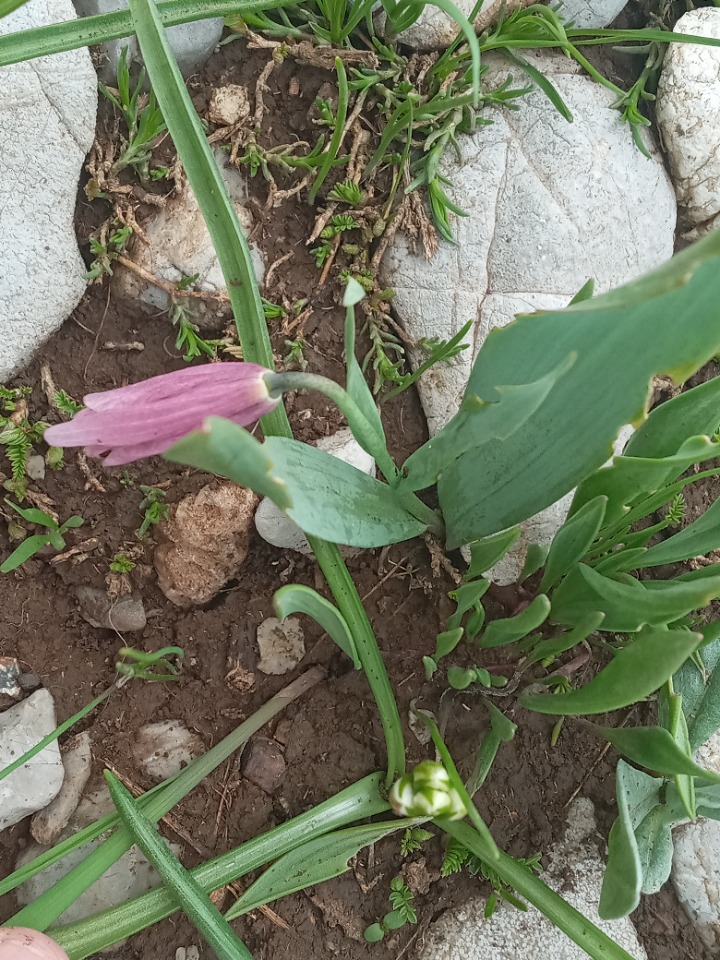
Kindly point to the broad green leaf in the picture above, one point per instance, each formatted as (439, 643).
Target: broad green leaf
(498, 633)
(627, 478)
(87, 937)
(637, 794)
(196, 904)
(689, 414)
(627, 603)
(356, 384)
(501, 731)
(446, 642)
(296, 598)
(654, 749)
(701, 694)
(621, 561)
(86, 31)
(326, 497)
(314, 862)
(699, 538)
(678, 730)
(636, 671)
(571, 433)
(466, 596)
(534, 559)
(572, 541)
(708, 801)
(555, 646)
(33, 515)
(476, 423)
(485, 553)
(28, 548)
(655, 844)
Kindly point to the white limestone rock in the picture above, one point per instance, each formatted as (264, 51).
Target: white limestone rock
(589, 14)
(434, 29)
(281, 644)
(192, 43)
(47, 125)
(37, 782)
(128, 877)
(574, 869)
(277, 528)
(177, 244)
(48, 824)
(163, 749)
(550, 204)
(688, 115)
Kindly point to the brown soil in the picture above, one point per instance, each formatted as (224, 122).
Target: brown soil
(334, 737)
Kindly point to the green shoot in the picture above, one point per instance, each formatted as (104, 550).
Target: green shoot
(121, 564)
(17, 435)
(413, 839)
(143, 119)
(295, 356)
(105, 248)
(402, 913)
(153, 507)
(188, 339)
(65, 403)
(347, 192)
(145, 666)
(54, 535)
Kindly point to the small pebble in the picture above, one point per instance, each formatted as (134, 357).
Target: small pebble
(281, 645)
(35, 467)
(10, 688)
(125, 615)
(263, 763)
(163, 749)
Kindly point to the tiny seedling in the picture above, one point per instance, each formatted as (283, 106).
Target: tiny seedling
(66, 404)
(413, 839)
(121, 564)
(105, 247)
(295, 356)
(143, 119)
(188, 338)
(460, 678)
(142, 665)
(17, 435)
(54, 535)
(153, 507)
(347, 192)
(458, 856)
(402, 913)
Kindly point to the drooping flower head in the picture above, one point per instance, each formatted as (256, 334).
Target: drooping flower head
(147, 418)
(427, 791)
(22, 943)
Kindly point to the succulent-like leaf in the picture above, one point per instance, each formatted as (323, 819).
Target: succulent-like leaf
(572, 541)
(699, 538)
(296, 598)
(499, 633)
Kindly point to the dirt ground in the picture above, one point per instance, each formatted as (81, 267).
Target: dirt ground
(334, 737)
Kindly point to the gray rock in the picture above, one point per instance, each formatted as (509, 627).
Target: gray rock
(281, 645)
(542, 197)
(263, 763)
(688, 115)
(187, 953)
(434, 29)
(36, 467)
(229, 105)
(10, 689)
(47, 125)
(192, 43)
(574, 869)
(277, 528)
(48, 824)
(124, 615)
(37, 782)
(162, 749)
(128, 877)
(177, 244)
(590, 14)
(208, 537)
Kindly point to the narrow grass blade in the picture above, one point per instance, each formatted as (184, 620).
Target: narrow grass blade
(196, 905)
(334, 145)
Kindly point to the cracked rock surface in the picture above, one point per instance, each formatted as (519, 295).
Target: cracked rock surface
(688, 116)
(47, 125)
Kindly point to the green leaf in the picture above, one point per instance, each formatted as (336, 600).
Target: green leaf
(314, 862)
(326, 497)
(621, 561)
(498, 633)
(72, 523)
(678, 730)
(295, 598)
(571, 433)
(572, 541)
(87, 937)
(534, 559)
(637, 794)
(356, 385)
(446, 642)
(654, 749)
(33, 515)
(485, 553)
(478, 422)
(699, 538)
(555, 646)
(708, 802)
(655, 844)
(636, 671)
(629, 604)
(691, 413)
(466, 597)
(626, 478)
(553, 95)
(28, 548)
(196, 904)
(701, 694)
(374, 933)
(501, 731)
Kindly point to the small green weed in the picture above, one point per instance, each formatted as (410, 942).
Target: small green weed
(153, 508)
(121, 564)
(17, 435)
(65, 403)
(54, 535)
(402, 913)
(413, 839)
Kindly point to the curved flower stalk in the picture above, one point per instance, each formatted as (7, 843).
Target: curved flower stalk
(427, 791)
(147, 418)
